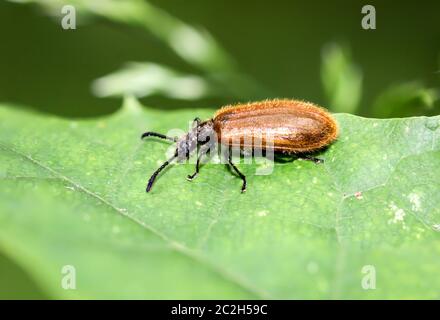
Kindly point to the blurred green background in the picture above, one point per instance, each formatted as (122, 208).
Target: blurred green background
(210, 53)
(276, 46)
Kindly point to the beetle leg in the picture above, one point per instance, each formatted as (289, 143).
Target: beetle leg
(158, 135)
(242, 176)
(203, 151)
(310, 158)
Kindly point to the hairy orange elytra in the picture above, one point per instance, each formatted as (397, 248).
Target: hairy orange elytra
(294, 127)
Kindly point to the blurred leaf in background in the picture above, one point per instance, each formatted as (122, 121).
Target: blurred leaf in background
(215, 69)
(144, 79)
(192, 44)
(341, 79)
(405, 99)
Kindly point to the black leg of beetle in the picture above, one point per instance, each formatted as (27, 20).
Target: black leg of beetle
(196, 123)
(200, 152)
(192, 176)
(310, 158)
(154, 175)
(158, 135)
(242, 176)
(203, 150)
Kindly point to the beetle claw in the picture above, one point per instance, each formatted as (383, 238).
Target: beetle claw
(191, 177)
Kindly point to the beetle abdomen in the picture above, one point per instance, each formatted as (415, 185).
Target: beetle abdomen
(291, 125)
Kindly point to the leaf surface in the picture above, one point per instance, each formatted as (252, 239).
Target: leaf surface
(73, 194)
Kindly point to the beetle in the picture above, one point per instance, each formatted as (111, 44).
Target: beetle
(296, 127)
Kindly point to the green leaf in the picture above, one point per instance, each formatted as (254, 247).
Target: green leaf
(405, 99)
(73, 194)
(145, 79)
(341, 78)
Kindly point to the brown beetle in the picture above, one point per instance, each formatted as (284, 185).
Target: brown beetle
(295, 127)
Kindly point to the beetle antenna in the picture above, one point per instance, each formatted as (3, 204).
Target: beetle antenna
(154, 175)
(158, 135)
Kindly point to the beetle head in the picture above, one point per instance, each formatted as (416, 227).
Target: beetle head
(200, 134)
